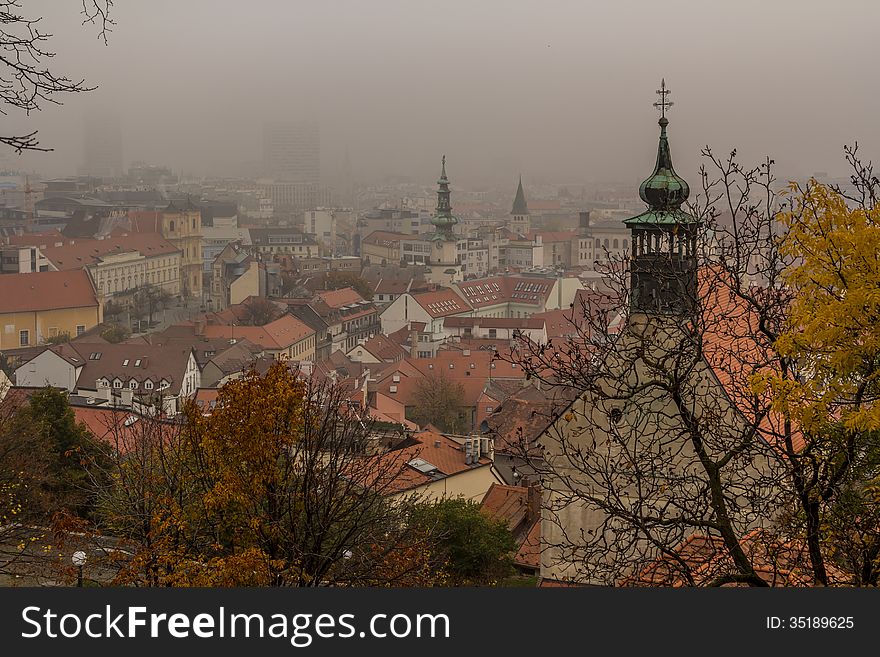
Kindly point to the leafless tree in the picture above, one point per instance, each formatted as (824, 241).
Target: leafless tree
(26, 82)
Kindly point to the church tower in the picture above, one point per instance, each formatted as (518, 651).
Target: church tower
(519, 215)
(444, 262)
(663, 278)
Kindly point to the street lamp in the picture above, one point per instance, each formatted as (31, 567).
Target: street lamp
(79, 560)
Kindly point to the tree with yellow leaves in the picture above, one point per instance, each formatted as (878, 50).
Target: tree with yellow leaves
(832, 242)
(275, 487)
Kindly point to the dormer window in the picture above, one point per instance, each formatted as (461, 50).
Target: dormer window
(125, 363)
(148, 385)
(133, 384)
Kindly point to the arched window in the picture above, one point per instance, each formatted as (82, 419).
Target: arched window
(171, 225)
(616, 244)
(598, 243)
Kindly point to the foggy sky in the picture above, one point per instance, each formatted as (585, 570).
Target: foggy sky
(560, 91)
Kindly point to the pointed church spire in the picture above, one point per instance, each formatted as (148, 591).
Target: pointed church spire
(519, 202)
(443, 220)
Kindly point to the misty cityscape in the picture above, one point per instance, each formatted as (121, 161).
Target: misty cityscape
(460, 294)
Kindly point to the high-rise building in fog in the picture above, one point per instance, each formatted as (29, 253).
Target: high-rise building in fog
(292, 152)
(103, 146)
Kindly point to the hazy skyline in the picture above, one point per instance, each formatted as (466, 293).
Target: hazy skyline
(560, 91)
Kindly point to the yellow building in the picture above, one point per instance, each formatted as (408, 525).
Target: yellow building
(181, 224)
(120, 264)
(38, 306)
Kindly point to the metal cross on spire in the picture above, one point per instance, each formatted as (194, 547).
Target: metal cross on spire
(663, 104)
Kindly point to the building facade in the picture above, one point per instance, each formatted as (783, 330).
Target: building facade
(37, 307)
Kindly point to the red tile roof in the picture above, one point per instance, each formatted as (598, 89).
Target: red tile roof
(278, 335)
(441, 303)
(49, 290)
(77, 253)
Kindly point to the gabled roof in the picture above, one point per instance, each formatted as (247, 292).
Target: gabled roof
(133, 361)
(338, 298)
(383, 348)
(49, 290)
(64, 351)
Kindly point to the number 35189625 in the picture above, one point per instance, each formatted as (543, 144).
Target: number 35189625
(810, 622)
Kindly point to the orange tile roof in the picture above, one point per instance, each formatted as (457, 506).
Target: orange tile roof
(508, 503)
(529, 553)
(706, 558)
(734, 349)
(49, 290)
(122, 429)
(339, 298)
